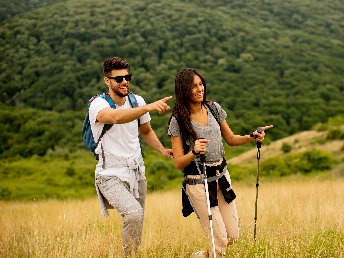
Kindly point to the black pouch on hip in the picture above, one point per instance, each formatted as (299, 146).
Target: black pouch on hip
(226, 189)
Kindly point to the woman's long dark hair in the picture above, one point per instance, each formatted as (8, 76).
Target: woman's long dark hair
(181, 110)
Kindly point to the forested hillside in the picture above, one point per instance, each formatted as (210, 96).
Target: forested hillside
(10, 8)
(267, 62)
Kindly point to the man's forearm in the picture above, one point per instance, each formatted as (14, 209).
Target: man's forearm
(113, 116)
(152, 140)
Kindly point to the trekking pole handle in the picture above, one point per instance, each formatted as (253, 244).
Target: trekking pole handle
(259, 130)
(202, 155)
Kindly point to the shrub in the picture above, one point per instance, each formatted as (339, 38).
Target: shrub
(70, 171)
(335, 134)
(5, 193)
(274, 167)
(308, 161)
(286, 147)
(159, 173)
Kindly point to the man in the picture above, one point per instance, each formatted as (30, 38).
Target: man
(120, 172)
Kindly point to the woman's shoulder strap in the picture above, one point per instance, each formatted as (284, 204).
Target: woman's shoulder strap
(214, 111)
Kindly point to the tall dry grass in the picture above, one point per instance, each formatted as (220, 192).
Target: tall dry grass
(295, 219)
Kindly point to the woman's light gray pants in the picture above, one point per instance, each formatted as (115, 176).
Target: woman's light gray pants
(131, 209)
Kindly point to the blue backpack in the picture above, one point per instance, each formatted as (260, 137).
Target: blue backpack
(87, 135)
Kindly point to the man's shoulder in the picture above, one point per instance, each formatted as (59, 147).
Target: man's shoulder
(97, 99)
(97, 103)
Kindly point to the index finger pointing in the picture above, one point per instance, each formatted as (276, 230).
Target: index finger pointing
(267, 127)
(166, 98)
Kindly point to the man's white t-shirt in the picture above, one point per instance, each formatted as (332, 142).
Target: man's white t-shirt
(121, 141)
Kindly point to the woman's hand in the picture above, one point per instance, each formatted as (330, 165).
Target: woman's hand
(201, 145)
(259, 134)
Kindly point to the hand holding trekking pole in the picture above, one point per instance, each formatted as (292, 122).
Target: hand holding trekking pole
(201, 146)
(259, 136)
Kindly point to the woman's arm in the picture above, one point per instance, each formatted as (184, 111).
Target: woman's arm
(232, 139)
(181, 160)
(235, 140)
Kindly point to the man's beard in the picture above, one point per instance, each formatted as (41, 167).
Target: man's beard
(119, 93)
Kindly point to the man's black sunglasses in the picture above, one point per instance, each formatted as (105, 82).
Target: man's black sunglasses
(119, 78)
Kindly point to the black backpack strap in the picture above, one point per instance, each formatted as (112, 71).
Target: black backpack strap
(214, 111)
(106, 128)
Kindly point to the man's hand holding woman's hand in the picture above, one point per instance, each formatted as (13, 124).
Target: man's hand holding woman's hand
(168, 153)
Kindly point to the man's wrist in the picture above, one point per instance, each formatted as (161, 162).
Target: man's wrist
(163, 150)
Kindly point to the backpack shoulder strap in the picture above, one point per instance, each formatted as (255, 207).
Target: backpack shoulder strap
(214, 111)
(133, 103)
(108, 98)
(112, 104)
(132, 100)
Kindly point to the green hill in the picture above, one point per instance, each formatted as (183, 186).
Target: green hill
(63, 175)
(304, 153)
(277, 62)
(266, 62)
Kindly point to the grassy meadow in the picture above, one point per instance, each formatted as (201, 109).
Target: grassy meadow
(296, 218)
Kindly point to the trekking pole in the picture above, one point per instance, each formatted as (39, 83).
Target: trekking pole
(259, 145)
(202, 157)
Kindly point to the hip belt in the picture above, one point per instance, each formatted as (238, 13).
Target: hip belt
(200, 180)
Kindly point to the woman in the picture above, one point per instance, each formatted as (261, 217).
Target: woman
(197, 127)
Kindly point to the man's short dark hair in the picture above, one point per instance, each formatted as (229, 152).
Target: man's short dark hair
(114, 63)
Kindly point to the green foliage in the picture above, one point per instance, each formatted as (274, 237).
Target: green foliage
(275, 167)
(28, 132)
(335, 122)
(241, 173)
(279, 64)
(312, 160)
(304, 163)
(264, 63)
(335, 134)
(47, 177)
(286, 147)
(10, 8)
(159, 175)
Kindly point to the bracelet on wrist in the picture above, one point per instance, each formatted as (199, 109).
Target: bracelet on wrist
(194, 152)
